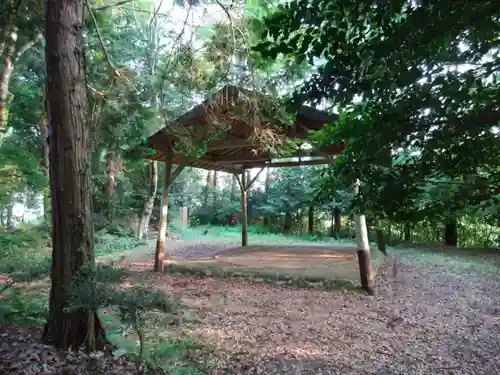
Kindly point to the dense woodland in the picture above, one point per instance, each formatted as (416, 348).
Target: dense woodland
(416, 85)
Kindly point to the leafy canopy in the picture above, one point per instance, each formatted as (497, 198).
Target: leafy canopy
(415, 77)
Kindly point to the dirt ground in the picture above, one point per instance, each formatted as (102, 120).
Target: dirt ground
(317, 262)
(424, 319)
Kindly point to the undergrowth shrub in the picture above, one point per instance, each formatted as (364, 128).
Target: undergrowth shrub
(138, 308)
(24, 255)
(29, 236)
(115, 238)
(20, 306)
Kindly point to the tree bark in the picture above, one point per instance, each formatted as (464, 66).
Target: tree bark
(149, 203)
(310, 220)
(451, 233)
(44, 130)
(72, 235)
(337, 220)
(332, 225)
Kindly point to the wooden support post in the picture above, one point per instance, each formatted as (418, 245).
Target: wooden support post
(244, 224)
(364, 258)
(160, 243)
(184, 216)
(245, 186)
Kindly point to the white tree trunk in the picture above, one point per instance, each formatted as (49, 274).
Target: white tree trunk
(150, 200)
(360, 226)
(364, 256)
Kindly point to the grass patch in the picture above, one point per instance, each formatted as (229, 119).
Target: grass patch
(113, 243)
(256, 236)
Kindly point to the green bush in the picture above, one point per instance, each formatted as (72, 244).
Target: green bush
(24, 254)
(24, 237)
(115, 238)
(18, 306)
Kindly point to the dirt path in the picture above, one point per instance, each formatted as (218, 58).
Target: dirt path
(183, 249)
(423, 321)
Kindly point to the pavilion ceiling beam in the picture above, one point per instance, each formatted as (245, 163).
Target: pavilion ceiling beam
(291, 163)
(227, 144)
(229, 159)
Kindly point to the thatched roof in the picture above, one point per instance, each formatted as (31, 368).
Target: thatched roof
(239, 128)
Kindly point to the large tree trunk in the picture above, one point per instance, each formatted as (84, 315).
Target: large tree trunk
(72, 236)
(451, 233)
(147, 210)
(46, 167)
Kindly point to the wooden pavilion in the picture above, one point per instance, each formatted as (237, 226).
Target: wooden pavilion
(222, 130)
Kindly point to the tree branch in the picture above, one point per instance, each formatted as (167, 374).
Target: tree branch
(27, 46)
(112, 5)
(101, 42)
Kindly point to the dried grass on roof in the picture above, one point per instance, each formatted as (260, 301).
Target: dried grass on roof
(234, 109)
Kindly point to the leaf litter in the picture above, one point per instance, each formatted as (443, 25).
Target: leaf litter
(424, 319)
